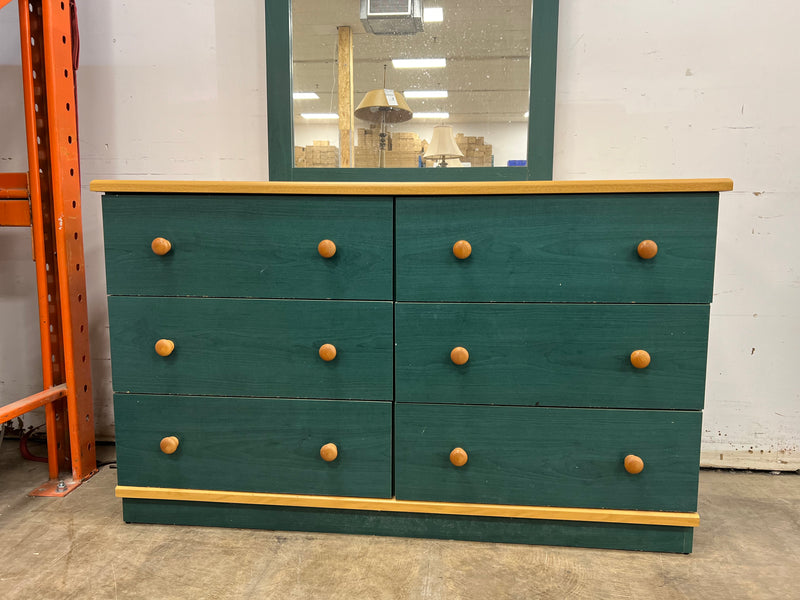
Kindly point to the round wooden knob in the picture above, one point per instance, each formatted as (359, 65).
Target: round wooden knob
(640, 358)
(326, 249)
(633, 464)
(329, 452)
(458, 456)
(169, 444)
(647, 249)
(164, 347)
(462, 249)
(459, 355)
(327, 352)
(161, 246)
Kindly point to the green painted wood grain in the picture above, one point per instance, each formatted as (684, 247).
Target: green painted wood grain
(654, 538)
(560, 248)
(248, 246)
(548, 456)
(280, 122)
(552, 354)
(255, 444)
(542, 97)
(247, 347)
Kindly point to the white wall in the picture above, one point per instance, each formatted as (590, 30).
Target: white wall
(655, 89)
(706, 89)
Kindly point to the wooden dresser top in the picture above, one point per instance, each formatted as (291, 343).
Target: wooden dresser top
(414, 188)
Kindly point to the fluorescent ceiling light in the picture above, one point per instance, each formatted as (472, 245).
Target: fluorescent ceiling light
(425, 93)
(418, 63)
(433, 115)
(433, 15)
(319, 115)
(305, 96)
(526, 114)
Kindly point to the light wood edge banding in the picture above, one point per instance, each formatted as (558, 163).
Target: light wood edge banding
(595, 515)
(415, 188)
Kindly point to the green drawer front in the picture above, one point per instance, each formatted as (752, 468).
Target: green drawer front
(552, 354)
(255, 444)
(248, 246)
(569, 248)
(548, 456)
(239, 347)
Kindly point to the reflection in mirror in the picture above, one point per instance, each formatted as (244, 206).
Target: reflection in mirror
(369, 94)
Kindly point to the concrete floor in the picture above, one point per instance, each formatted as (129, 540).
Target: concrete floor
(747, 546)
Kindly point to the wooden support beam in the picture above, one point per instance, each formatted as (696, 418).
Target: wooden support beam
(345, 97)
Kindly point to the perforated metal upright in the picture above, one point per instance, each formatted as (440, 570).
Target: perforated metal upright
(47, 199)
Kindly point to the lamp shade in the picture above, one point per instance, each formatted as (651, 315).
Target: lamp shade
(378, 104)
(443, 144)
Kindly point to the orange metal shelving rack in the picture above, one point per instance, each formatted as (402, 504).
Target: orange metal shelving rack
(48, 200)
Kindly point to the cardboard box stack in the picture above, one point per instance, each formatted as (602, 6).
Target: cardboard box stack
(299, 156)
(476, 152)
(403, 149)
(365, 153)
(320, 154)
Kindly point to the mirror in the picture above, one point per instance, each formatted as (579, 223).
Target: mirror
(475, 79)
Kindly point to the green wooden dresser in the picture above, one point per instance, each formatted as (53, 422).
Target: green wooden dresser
(513, 362)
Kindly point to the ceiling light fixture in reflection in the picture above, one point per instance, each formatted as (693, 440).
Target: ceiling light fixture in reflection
(418, 63)
(312, 116)
(435, 14)
(432, 115)
(305, 96)
(425, 93)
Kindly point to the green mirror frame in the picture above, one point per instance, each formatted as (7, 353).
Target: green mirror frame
(280, 143)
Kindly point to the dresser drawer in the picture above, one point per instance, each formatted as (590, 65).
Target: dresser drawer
(255, 444)
(241, 347)
(547, 456)
(552, 354)
(567, 248)
(249, 246)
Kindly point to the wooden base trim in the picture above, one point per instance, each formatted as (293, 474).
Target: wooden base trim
(450, 188)
(596, 515)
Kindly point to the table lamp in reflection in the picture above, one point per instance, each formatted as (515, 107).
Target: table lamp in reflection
(443, 145)
(383, 106)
